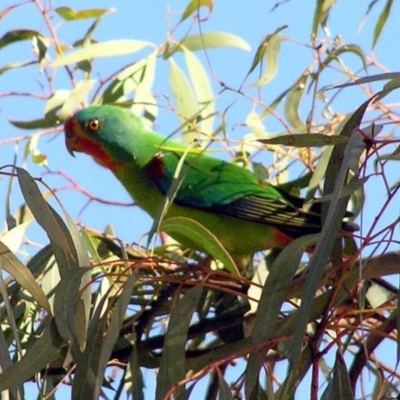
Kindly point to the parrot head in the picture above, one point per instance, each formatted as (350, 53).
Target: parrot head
(107, 133)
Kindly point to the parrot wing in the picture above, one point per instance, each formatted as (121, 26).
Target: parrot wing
(227, 189)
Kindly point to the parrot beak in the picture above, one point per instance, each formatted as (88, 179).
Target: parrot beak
(76, 140)
(70, 136)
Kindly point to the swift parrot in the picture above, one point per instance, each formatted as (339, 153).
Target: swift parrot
(244, 213)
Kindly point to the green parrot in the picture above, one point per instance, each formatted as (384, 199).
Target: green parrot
(244, 213)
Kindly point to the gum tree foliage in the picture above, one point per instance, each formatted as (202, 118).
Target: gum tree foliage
(94, 311)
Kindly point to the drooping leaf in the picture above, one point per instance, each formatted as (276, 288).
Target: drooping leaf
(136, 374)
(347, 48)
(38, 356)
(11, 264)
(339, 387)
(335, 179)
(13, 238)
(144, 99)
(212, 40)
(369, 79)
(55, 102)
(305, 140)
(269, 49)
(272, 297)
(254, 122)
(112, 48)
(194, 7)
(69, 14)
(33, 151)
(49, 121)
(262, 49)
(172, 366)
(321, 15)
(49, 220)
(103, 332)
(76, 98)
(202, 90)
(292, 104)
(224, 389)
(382, 20)
(185, 101)
(69, 311)
(15, 65)
(202, 238)
(18, 35)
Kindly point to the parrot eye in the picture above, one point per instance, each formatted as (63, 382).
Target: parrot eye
(93, 124)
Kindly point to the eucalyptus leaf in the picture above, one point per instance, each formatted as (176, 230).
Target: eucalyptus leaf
(111, 48)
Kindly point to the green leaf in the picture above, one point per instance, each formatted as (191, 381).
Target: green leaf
(369, 79)
(69, 14)
(293, 102)
(144, 99)
(14, 236)
(16, 65)
(272, 297)
(40, 45)
(270, 49)
(254, 122)
(383, 17)
(172, 365)
(117, 88)
(260, 171)
(321, 15)
(212, 40)
(55, 102)
(377, 295)
(115, 321)
(37, 357)
(194, 7)
(49, 121)
(18, 35)
(11, 264)
(332, 219)
(5, 357)
(262, 49)
(203, 91)
(201, 238)
(136, 380)
(339, 387)
(76, 98)
(278, 282)
(90, 246)
(50, 221)
(103, 332)
(316, 19)
(70, 255)
(347, 48)
(186, 103)
(86, 377)
(319, 173)
(33, 151)
(305, 140)
(111, 48)
(69, 311)
(225, 392)
(392, 84)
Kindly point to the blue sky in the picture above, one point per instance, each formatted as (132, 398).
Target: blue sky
(149, 21)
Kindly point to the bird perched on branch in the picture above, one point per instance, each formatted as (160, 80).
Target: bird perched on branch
(244, 214)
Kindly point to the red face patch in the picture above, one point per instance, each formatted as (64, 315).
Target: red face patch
(77, 140)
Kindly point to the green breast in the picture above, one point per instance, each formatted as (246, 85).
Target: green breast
(239, 237)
